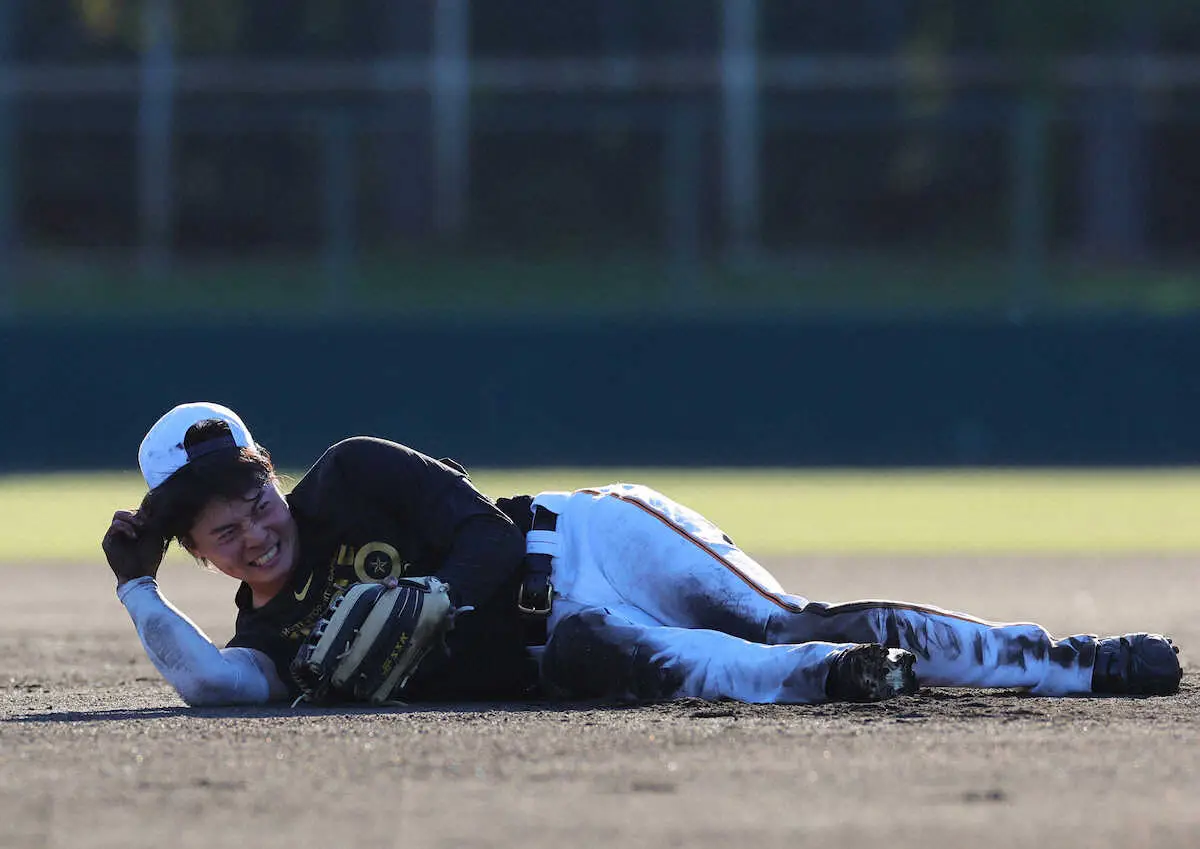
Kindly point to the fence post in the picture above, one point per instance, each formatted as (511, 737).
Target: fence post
(451, 107)
(8, 166)
(338, 205)
(682, 161)
(740, 132)
(155, 107)
(1029, 206)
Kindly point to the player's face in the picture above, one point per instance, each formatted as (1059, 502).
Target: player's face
(253, 539)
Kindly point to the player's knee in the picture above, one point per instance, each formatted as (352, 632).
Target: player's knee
(577, 661)
(596, 655)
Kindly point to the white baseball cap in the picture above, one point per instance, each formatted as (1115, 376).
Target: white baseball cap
(162, 453)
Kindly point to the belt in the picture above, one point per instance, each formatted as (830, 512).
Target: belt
(535, 596)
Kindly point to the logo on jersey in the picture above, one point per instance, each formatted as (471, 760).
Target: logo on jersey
(378, 561)
(374, 563)
(303, 591)
(300, 629)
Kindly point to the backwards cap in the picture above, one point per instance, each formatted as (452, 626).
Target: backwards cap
(162, 453)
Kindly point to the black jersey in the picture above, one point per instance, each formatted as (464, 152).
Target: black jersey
(370, 509)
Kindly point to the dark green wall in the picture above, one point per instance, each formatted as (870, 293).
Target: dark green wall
(575, 392)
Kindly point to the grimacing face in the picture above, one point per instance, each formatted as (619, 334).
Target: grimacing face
(253, 539)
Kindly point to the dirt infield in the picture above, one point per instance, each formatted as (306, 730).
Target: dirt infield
(96, 751)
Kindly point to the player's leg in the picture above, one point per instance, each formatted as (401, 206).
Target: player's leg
(954, 649)
(634, 570)
(628, 545)
(621, 653)
(633, 546)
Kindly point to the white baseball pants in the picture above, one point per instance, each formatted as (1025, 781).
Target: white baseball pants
(653, 601)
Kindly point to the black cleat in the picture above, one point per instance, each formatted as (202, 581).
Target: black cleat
(1137, 665)
(870, 673)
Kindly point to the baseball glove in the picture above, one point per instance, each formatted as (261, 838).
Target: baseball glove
(370, 640)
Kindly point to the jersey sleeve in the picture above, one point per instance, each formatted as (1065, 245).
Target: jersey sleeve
(476, 547)
(200, 672)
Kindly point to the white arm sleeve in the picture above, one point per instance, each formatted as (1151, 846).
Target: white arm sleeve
(200, 672)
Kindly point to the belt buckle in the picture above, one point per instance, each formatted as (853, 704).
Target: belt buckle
(531, 609)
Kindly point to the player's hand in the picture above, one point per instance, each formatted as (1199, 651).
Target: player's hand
(133, 550)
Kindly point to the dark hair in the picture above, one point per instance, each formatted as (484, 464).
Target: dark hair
(228, 472)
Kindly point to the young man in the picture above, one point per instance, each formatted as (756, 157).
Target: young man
(615, 592)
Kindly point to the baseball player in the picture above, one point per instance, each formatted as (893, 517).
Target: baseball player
(385, 574)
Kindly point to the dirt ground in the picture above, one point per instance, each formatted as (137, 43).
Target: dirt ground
(96, 751)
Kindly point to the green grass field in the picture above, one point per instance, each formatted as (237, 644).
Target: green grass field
(62, 516)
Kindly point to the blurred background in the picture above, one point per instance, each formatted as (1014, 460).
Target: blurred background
(677, 232)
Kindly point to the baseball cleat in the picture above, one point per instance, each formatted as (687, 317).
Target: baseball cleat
(1137, 665)
(871, 673)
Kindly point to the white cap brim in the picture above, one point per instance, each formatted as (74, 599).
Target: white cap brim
(162, 453)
